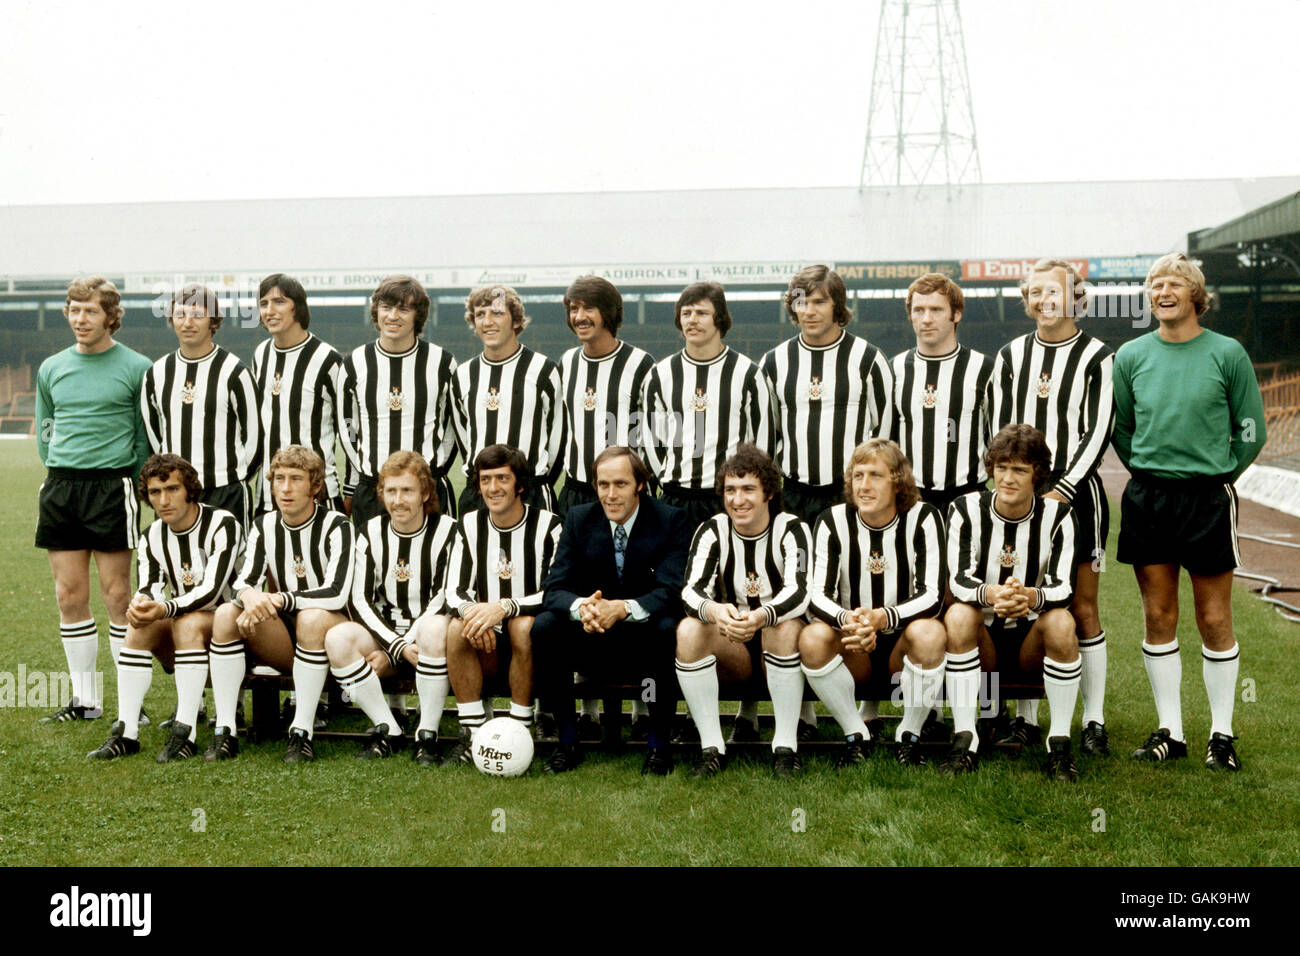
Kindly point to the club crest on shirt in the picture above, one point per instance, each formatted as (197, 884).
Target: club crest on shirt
(928, 399)
(753, 587)
(589, 399)
(188, 577)
(815, 389)
(299, 567)
(877, 564)
(1008, 558)
(395, 399)
(1044, 386)
(505, 567)
(275, 384)
(701, 401)
(187, 393)
(493, 399)
(401, 570)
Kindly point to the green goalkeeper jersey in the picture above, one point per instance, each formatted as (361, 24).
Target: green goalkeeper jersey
(88, 409)
(1187, 409)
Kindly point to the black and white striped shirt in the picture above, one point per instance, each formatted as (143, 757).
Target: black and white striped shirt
(490, 564)
(602, 403)
(1064, 390)
(400, 402)
(302, 403)
(985, 548)
(518, 402)
(941, 415)
(698, 412)
(829, 399)
(767, 571)
(310, 564)
(204, 410)
(397, 577)
(196, 565)
(899, 568)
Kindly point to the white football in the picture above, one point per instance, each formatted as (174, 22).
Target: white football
(503, 747)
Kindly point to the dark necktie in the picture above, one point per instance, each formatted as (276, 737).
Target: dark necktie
(620, 548)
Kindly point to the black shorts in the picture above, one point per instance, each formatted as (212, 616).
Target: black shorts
(699, 505)
(88, 510)
(574, 493)
(941, 498)
(1092, 511)
(806, 502)
(235, 498)
(365, 502)
(1190, 522)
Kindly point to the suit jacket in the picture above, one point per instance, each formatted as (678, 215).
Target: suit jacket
(654, 563)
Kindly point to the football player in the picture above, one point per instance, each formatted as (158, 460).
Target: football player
(877, 587)
(941, 396)
(494, 589)
(399, 574)
(189, 552)
(746, 591)
(92, 442)
(700, 404)
(1189, 421)
(508, 394)
(200, 403)
(1010, 553)
(1058, 379)
(303, 551)
(398, 396)
(300, 384)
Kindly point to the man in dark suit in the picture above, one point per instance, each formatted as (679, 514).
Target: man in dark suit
(613, 600)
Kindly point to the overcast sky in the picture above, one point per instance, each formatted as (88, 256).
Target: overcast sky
(134, 102)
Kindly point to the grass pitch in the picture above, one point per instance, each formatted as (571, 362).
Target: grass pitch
(57, 808)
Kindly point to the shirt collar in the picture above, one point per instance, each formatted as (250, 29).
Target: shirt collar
(627, 525)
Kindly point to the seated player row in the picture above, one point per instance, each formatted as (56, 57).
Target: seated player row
(605, 594)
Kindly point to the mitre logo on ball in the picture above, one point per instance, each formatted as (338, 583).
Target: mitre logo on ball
(503, 747)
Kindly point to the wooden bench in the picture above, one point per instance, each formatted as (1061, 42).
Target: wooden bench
(266, 684)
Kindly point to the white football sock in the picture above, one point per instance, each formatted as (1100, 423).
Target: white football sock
(785, 684)
(310, 668)
(116, 639)
(869, 709)
(471, 715)
(833, 685)
(699, 683)
(226, 663)
(81, 648)
(1165, 672)
(1061, 682)
(962, 678)
(363, 686)
(1092, 685)
(808, 714)
(432, 684)
(191, 676)
(134, 675)
(523, 712)
(1219, 668)
(1028, 709)
(921, 688)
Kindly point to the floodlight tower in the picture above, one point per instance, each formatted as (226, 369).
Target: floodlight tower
(921, 128)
